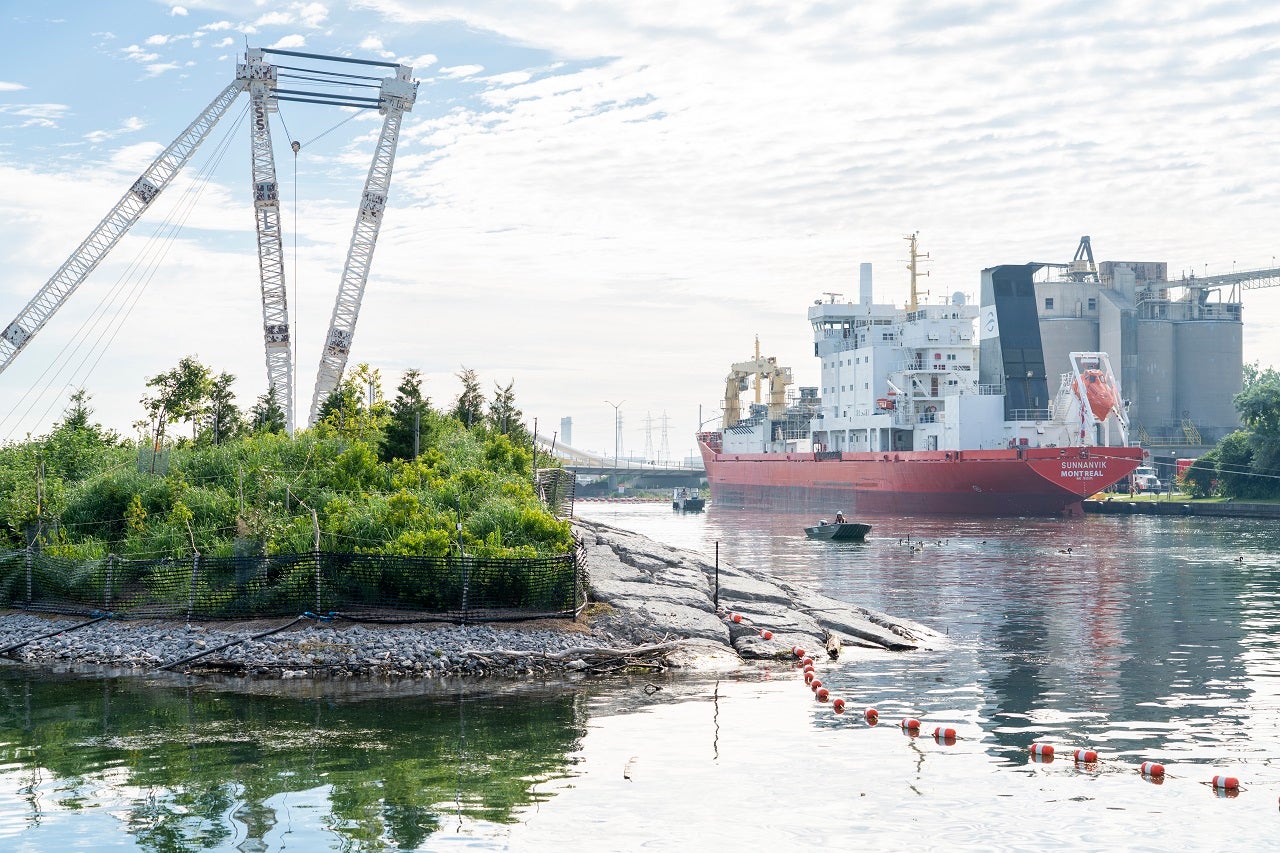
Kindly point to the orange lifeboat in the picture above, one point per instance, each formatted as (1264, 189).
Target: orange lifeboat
(1100, 391)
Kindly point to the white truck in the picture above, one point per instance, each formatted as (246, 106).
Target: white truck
(1145, 479)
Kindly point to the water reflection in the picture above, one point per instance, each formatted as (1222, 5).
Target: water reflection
(1140, 635)
(180, 768)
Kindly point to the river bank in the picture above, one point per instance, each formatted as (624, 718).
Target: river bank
(651, 606)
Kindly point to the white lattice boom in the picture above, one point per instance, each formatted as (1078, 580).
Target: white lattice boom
(396, 97)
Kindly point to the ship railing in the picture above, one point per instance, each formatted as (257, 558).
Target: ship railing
(1030, 415)
(991, 390)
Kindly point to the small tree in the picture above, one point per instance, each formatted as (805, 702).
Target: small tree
(179, 396)
(469, 407)
(505, 417)
(408, 420)
(222, 417)
(1200, 476)
(267, 415)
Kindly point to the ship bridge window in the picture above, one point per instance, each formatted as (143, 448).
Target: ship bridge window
(1048, 303)
(1093, 304)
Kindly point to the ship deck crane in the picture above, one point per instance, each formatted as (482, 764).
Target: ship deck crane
(763, 370)
(395, 96)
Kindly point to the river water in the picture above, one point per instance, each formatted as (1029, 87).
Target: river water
(1145, 639)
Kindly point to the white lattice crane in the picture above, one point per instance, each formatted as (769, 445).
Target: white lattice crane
(261, 79)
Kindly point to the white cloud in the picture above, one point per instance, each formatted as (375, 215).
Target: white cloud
(129, 125)
(219, 26)
(291, 41)
(459, 71)
(274, 19)
(137, 54)
(35, 115)
(419, 63)
(155, 69)
(179, 11)
(6, 86)
(312, 14)
(226, 42)
(371, 43)
(157, 40)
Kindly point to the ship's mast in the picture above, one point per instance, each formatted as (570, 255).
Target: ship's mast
(912, 265)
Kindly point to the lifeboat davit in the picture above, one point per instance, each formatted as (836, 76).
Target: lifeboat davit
(1101, 392)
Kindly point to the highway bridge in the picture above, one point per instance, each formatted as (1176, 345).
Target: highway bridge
(587, 464)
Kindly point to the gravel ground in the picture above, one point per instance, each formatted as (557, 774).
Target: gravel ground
(308, 649)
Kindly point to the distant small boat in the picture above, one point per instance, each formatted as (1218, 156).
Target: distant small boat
(842, 531)
(687, 500)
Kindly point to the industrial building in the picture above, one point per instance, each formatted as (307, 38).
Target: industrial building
(1177, 345)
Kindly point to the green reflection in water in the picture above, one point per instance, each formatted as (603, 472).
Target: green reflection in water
(185, 767)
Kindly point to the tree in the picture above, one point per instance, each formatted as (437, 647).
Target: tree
(267, 415)
(409, 420)
(78, 412)
(179, 396)
(1259, 408)
(469, 407)
(222, 417)
(505, 417)
(1200, 477)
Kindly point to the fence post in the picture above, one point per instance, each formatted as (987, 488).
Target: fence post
(316, 555)
(106, 591)
(466, 587)
(715, 599)
(29, 558)
(191, 595)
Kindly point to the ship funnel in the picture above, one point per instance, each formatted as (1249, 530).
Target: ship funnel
(864, 284)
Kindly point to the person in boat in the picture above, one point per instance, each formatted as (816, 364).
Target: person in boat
(839, 517)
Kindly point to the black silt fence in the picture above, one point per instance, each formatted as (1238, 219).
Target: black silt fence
(454, 588)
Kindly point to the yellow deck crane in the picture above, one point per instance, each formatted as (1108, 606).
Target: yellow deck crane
(764, 371)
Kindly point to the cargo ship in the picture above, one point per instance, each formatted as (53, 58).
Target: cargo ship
(940, 408)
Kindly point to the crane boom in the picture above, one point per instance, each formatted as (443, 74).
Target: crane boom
(112, 228)
(396, 97)
(266, 209)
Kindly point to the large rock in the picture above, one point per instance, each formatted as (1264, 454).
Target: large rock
(656, 591)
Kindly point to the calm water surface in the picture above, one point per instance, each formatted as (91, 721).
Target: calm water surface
(1153, 639)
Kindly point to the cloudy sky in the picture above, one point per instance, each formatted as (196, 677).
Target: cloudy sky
(607, 202)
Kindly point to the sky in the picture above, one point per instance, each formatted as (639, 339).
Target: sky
(605, 203)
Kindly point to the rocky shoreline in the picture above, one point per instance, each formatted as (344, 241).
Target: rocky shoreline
(652, 607)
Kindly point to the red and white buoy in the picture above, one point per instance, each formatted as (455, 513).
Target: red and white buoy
(797, 651)
(910, 723)
(945, 736)
(821, 694)
(837, 705)
(737, 617)
(768, 635)
(872, 716)
(1085, 756)
(1152, 772)
(815, 685)
(808, 676)
(1226, 783)
(1042, 751)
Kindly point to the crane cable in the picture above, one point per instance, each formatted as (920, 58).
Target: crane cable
(158, 246)
(162, 237)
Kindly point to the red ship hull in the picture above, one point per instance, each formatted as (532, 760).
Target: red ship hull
(1027, 481)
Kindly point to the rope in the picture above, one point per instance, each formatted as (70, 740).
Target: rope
(93, 621)
(228, 645)
(162, 237)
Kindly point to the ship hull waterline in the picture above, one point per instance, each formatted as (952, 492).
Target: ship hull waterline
(1014, 482)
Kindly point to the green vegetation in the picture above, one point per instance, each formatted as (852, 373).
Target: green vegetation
(1246, 464)
(238, 484)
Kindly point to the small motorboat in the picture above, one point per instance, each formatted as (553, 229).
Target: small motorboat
(687, 500)
(838, 531)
